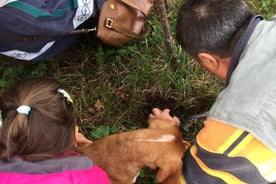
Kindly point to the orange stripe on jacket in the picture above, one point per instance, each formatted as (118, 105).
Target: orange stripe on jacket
(216, 137)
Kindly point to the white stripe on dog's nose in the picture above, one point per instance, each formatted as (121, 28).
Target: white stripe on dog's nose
(164, 138)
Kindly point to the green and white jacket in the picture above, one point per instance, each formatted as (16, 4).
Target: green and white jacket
(45, 19)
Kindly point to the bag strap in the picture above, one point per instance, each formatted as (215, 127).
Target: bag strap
(28, 38)
(143, 6)
(109, 24)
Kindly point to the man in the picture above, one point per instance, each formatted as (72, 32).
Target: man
(237, 143)
(36, 30)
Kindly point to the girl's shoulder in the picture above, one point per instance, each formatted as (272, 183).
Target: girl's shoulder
(86, 176)
(48, 166)
(69, 169)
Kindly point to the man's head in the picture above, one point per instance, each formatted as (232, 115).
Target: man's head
(212, 27)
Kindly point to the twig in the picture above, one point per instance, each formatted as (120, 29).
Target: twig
(162, 13)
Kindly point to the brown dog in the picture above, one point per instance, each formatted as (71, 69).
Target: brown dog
(123, 155)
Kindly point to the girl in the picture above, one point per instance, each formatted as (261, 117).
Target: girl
(38, 136)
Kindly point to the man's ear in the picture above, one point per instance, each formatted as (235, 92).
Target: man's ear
(209, 61)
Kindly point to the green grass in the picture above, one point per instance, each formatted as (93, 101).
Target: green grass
(264, 7)
(115, 89)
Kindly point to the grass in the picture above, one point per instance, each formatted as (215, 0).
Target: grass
(115, 89)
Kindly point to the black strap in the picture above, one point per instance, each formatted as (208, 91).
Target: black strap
(241, 45)
(235, 143)
(36, 37)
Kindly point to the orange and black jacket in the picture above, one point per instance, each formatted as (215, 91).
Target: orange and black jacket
(225, 154)
(237, 144)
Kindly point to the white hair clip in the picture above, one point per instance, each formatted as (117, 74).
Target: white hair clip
(65, 94)
(0, 118)
(23, 109)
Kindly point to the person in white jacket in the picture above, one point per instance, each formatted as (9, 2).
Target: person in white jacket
(237, 143)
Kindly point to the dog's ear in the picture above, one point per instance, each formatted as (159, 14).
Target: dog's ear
(186, 144)
(162, 175)
(170, 172)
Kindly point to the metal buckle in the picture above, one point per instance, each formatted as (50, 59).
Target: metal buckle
(109, 23)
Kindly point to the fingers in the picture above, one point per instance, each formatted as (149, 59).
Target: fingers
(177, 120)
(159, 113)
(165, 114)
(151, 116)
(156, 111)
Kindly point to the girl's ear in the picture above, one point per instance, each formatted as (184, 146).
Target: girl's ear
(79, 138)
(76, 135)
(209, 61)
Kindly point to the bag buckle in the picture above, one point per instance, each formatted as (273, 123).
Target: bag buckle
(109, 23)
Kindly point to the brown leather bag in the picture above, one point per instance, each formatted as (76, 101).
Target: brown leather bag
(122, 20)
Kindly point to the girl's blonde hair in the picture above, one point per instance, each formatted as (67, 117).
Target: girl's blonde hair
(48, 129)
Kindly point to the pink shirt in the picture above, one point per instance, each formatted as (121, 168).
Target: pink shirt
(94, 175)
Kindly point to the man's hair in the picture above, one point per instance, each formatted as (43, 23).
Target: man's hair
(48, 129)
(212, 26)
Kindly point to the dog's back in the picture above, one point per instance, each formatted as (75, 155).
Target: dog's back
(123, 155)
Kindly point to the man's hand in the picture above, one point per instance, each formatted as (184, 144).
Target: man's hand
(165, 114)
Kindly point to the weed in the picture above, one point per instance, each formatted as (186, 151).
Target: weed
(12, 70)
(264, 7)
(104, 130)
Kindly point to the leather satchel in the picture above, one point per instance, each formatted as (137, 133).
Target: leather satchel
(121, 21)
